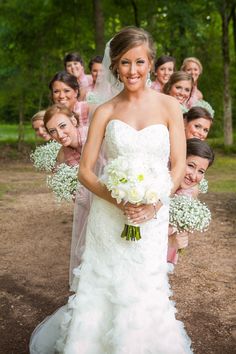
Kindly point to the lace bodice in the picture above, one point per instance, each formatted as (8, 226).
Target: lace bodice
(150, 143)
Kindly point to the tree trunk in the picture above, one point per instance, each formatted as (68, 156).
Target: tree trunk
(234, 26)
(99, 26)
(228, 129)
(21, 125)
(136, 19)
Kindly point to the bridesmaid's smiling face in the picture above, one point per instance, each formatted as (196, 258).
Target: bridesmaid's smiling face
(133, 67)
(40, 130)
(164, 72)
(181, 90)
(196, 167)
(63, 129)
(64, 94)
(197, 128)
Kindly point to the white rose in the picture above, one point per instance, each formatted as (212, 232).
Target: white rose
(118, 194)
(151, 196)
(135, 195)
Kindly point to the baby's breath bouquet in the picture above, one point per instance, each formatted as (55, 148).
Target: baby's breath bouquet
(206, 105)
(130, 180)
(64, 182)
(44, 156)
(188, 214)
(203, 186)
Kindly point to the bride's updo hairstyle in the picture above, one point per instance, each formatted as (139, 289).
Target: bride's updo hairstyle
(61, 109)
(126, 39)
(176, 77)
(197, 147)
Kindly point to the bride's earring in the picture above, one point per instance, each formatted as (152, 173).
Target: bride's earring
(118, 81)
(148, 81)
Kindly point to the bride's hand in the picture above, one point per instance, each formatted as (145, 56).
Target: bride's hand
(139, 214)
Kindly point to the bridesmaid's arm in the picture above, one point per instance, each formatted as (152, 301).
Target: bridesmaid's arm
(60, 156)
(90, 154)
(177, 145)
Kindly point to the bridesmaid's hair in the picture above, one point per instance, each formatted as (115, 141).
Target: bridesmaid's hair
(128, 38)
(164, 59)
(74, 56)
(97, 59)
(191, 59)
(176, 77)
(197, 112)
(67, 79)
(38, 116)
(197, 147)
(58, 108)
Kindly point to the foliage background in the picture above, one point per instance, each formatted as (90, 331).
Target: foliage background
(36, 34)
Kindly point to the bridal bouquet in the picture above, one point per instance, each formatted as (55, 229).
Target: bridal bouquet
(130, 180)
(206, 105)
(44, 156)
(64, 182)
(188, 214)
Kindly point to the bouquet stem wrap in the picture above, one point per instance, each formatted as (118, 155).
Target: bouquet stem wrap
(131, 232)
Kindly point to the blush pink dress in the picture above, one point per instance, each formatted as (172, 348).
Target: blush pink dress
(156, 86)
(196, 95)
(81, 108)
(72, 155)
(172, 252)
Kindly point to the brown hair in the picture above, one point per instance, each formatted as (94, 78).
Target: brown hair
(126, 39)
(197, 147)
(67, 79)
(194, 60)
(197, 112)
(58, 108)
(175, 77)
(164, 59)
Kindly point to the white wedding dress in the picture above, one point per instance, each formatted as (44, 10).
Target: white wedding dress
(121, 303)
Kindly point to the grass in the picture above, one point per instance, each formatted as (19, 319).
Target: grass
(9, 133)
(222, 174)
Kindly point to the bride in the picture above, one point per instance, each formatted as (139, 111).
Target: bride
(121, 303)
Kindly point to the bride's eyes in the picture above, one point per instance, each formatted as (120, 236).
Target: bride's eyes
(124, 62)
(141, 61)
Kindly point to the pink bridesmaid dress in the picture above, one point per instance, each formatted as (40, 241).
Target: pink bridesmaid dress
(172, 253)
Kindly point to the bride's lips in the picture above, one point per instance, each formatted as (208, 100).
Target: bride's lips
(133, 80)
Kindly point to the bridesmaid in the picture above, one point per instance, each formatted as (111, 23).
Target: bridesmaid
(179, 86)
(200, 156)
(95, 67)
(65, 90)
(164, 68)
(38, 126)
(74, 65)
(197, 122)
(193, 67)
(62, 125)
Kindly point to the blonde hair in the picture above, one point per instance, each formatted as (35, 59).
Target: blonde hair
(58, 108)
(38, 116)
(126, 39)
(194, 60)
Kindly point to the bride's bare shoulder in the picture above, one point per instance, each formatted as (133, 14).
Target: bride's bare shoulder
(104, 112)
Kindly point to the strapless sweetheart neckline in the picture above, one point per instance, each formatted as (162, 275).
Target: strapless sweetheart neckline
(132, 128)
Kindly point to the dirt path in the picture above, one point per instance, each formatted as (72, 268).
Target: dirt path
(35, 243)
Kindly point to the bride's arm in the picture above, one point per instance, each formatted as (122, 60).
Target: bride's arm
(91, 152)
(177, 144)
